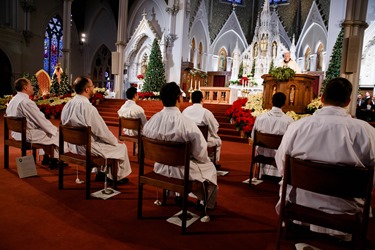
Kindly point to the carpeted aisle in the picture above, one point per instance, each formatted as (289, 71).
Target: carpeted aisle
(34, 214)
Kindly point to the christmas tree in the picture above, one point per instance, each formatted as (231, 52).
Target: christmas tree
(34, 82)
(334, 66)
(55, 87)
(155, 73)
(65, 87)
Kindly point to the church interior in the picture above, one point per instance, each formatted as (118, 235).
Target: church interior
(205, 44)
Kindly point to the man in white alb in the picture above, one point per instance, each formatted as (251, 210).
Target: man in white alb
(288, 62)
(201, 115)
(130, 109)
(276, 122)
(170, 125)
(39, 129)
(331, 135)
(80, 112)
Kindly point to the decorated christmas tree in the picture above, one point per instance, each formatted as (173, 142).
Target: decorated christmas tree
(34, 82)
(253, 68)
(55, 87)
(65, 87)
(334, 66)
(155, 73)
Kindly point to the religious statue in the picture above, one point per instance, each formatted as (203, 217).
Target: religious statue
(144, 65)
(221, 61)
(57, 72)
(255, 50)
(274, 90)
(292, 95)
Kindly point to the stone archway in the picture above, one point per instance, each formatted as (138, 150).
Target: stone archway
(5, 75)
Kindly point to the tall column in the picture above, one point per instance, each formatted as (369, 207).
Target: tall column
(354, 29)
(67, 36)
(120, 46)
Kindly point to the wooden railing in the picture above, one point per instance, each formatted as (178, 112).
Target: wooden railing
(216, 95)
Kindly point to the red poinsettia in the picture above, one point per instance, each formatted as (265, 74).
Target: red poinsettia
(96, 96)
(140, 77)
(242, 117)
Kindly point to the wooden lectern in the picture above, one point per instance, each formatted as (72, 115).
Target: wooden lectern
(298, 91)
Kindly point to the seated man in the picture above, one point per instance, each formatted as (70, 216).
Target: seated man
(201, 115)
(131, 110)
(80, 112)
(272, 122)
(39, 129)
(169, 124)
(329, 136)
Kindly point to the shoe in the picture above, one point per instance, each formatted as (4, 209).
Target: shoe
(178, 201)
(123, 181)
(217, 166)
(100, 176)
(46, 160)
(199, 206)
(54, 164)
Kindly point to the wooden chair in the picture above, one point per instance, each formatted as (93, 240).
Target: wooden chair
(270, 141)
(172, 154)
(81, 136)
(18, 124)
(210, 150)
(133, 124)
(344, 182)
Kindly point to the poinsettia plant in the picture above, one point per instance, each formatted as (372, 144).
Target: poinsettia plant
(241, 116)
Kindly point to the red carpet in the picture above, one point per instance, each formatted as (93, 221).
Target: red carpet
(34, 214)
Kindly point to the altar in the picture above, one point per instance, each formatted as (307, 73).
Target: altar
(237, 91)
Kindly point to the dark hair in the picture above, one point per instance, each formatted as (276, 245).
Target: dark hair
(278, 99)
(80, 84)
(130, 93)
(169, 94)
(197, 96)
(337, 92)
(20, 83)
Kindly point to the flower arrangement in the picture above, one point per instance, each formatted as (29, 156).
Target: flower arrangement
(314, 105)
(4, 101)
(140, 77)
(241, 116)
(97, 98)
(148, 95)
(244, 111)
(282, 74)
(100, 91)
(52, 106)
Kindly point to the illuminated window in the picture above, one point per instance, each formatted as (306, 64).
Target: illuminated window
(53, 44)
(278, 1)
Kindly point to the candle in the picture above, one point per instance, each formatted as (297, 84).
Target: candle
(199, 85)
(195, 85)
(191, 83)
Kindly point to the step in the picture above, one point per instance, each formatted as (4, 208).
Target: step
(234, 139)
(231, 131)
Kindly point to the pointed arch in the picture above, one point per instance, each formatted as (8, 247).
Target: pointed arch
(222, 59)
(200, 53)
(319, 57)
(5, 74)
(307, 58)
(192, 50)
(101, 68)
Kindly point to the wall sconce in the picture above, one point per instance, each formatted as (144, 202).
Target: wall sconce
(82, 41)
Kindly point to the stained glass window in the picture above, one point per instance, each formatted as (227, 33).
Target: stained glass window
(239, 2)
(278, 1)
(53, 44)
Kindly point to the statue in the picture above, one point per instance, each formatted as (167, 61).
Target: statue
(292, 95)
(57, 72)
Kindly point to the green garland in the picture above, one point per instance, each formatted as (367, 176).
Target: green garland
(282, 74)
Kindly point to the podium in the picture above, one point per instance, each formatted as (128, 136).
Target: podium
(298, 91)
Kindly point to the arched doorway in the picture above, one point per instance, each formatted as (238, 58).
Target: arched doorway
(5, 75)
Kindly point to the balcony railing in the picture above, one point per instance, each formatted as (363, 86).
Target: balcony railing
(215, 95)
